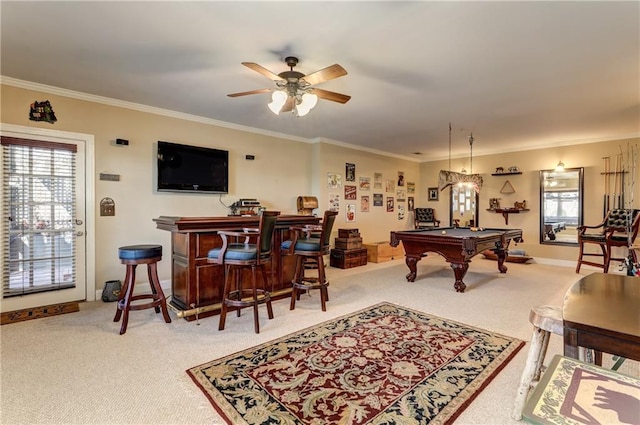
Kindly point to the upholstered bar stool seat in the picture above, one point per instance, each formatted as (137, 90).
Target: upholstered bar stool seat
(132, 256)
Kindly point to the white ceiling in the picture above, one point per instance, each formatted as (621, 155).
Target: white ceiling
(516, 74)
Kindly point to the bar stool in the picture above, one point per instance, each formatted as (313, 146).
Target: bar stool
(247, 249)
(310, 251)
(131, 256)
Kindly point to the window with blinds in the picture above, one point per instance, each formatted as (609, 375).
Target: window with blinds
(38, 243)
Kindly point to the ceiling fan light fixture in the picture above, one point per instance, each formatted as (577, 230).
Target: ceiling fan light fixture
(278, 99)
(307, 103)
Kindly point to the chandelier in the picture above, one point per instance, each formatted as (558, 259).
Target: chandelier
(447, 177)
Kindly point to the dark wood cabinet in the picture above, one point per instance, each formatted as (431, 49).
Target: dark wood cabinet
(196, 284)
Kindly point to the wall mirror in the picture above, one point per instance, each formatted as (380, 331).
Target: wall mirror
(561, 199)
(464, 206)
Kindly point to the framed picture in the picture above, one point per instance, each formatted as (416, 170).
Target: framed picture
(433, 194)
(350, 170)
(377, 180)
(350, 213)
(334, 181)
(365, 183)
(364, 203)
(377, 200)
(350, 192)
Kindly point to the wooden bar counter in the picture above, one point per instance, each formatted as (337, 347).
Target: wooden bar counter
(196, 284)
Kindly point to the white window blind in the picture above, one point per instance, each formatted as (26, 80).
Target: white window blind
(38, 243)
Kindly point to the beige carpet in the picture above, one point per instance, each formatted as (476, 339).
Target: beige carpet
(76, 369)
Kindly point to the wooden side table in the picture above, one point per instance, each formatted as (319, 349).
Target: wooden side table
(572, 391)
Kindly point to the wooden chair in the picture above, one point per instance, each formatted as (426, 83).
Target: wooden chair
(310, 244)
(249, 248)
(618, 229)
(424, 218)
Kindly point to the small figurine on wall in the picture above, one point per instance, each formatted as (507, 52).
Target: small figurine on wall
(499, 170)
(42, 111)
(520, 205)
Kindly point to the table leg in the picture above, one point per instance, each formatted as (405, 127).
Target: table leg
(502, 256)
(412, 264)
(459, 270)
(570, 343)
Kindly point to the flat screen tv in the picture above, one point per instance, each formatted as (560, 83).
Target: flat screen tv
(183, 168)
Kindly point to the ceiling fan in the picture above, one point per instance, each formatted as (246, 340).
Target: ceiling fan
(296, 91)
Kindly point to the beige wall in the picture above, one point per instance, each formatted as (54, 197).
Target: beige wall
(527, 187)
(283, 169)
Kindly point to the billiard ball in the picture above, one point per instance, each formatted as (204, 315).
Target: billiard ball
(444, 232)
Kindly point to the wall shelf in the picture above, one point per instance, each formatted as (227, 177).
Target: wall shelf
(506, 174)
(506, 211)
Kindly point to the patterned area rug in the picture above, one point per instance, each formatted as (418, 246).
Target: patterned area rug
(385, 364)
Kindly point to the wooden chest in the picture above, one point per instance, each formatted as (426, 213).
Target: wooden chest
(348, 243)
(348, 233)
(348, 258)
(379, 252)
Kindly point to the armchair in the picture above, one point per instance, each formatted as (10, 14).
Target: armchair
(424, 218)
(618, 229)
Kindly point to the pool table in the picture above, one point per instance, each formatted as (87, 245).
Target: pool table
(551, 228)
(456, 244)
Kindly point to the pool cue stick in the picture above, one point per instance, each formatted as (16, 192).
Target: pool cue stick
(615, 183)
(620, 189)
(606, 185)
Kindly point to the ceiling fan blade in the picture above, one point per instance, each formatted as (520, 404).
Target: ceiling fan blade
(326, 74)
(331, 95)
(262, 70)
(245, 93)
(289, 105)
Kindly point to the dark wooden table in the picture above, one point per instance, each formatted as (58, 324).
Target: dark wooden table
(456, 244)
(602, 311)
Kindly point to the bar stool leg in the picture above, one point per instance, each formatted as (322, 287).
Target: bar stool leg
(123, 292)
(266, 287)
(152, 283)
(124, 306)
(156, 288)
(296, 278)
(324, 293)
(225, 295)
